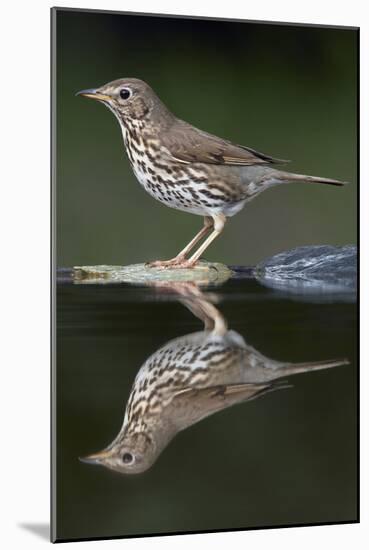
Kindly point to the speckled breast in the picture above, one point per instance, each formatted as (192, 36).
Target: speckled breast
(192, 188)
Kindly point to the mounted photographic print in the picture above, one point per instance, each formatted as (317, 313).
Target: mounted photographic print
(204, 183)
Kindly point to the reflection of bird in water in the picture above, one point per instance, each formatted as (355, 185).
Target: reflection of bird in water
(188, 379)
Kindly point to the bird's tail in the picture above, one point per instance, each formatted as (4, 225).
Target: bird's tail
(287, 177)
(298, 368)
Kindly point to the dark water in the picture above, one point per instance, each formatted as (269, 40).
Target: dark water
(287, 457)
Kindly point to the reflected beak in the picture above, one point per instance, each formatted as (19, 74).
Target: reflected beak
(92, 93)
(95, 458)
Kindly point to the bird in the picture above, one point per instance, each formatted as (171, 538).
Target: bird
(187, 168)
(188, 379)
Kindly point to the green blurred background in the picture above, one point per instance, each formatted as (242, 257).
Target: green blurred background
(289, 91)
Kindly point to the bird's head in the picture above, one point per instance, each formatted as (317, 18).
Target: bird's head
(131, 454)
(127, 98)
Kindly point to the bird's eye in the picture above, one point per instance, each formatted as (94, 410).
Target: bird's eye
(127, 458)
(125, 93)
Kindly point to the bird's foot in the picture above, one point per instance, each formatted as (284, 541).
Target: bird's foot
(174, 263)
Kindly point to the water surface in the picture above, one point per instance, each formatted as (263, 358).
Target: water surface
(287, 457)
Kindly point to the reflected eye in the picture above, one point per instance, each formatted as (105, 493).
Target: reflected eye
(127, 458)
(125, 93)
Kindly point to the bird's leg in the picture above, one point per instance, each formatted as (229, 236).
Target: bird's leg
(219, 222)
(208, 225)
(205, 311)
(181, 257)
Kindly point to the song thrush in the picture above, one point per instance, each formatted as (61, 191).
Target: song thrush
(186, 168)
(188, 379)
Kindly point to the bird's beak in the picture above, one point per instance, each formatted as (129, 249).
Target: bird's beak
(96, 458)
(92, 93)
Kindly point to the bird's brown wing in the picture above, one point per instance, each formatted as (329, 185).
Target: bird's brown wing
(191, 405)
(188, 144)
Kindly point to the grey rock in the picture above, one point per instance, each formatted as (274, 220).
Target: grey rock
(322, 269)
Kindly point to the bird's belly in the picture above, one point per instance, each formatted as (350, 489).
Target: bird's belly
(173, 192)
(184, 189)
(180, 199)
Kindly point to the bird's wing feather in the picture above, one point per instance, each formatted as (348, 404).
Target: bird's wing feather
(188, 145)
(191, 405)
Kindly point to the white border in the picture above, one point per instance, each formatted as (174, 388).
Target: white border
(24, 101)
